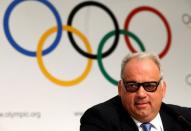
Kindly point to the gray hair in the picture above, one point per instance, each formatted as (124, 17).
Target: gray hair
(141, 55)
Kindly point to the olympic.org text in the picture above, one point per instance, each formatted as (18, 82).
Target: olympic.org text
(20, 115)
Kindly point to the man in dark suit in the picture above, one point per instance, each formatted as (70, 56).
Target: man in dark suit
(138, 106)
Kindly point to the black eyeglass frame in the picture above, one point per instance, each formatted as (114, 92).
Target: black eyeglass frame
(146, 85)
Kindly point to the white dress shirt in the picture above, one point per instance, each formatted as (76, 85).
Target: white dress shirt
(156, 124)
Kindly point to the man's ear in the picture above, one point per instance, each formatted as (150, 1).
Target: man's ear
(163, 88)
(119, 87)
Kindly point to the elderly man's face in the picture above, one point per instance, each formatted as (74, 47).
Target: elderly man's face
(142, 105)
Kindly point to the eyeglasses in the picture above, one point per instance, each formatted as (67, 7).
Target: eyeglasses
(133, 86)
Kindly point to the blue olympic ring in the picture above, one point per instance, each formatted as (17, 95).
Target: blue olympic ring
(15, 44)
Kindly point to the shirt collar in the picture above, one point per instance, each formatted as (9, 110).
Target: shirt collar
(156, 123)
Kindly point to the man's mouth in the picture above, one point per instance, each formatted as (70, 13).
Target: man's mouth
(141, 105)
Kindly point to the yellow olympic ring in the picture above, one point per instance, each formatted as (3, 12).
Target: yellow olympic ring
(41, 64)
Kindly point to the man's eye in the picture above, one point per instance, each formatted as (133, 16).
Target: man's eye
(132, 85)
(150, 85)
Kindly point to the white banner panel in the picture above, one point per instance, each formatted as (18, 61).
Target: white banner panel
(49, 91)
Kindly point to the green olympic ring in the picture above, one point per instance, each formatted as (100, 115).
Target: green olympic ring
(100, 48)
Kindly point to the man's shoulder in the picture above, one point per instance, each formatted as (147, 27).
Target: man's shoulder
(111, 103)
(180, 113)
(111, 111)
(105, 108)
(106, 115)
(179, 110)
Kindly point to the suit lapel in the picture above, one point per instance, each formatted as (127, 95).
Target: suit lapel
(167, 125)
(129, 125)
(169, 120)
(127, 122)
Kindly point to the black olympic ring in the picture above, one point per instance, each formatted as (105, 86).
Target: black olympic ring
(70, 18)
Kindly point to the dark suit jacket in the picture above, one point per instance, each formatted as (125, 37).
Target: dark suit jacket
(111, 116)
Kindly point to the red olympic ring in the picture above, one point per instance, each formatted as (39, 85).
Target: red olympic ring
(146, 8)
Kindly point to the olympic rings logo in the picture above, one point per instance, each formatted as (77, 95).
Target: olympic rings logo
(72, 30)
(186, 19)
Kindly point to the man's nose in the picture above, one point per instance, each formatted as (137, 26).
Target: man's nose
(141, 92)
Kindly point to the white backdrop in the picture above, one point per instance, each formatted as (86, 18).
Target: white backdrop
(32, 102)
